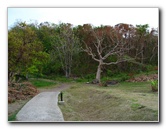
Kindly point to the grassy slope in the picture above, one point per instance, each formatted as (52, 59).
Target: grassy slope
(123, 102)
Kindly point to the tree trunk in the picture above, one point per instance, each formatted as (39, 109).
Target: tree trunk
(142, 59)
(98, 74)
(27, 76)
(67, 73)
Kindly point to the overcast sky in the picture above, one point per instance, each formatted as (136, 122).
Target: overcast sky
(80, 16)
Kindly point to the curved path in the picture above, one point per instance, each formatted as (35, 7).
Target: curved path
(43, 107)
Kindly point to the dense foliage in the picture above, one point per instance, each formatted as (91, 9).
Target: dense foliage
(61, 49)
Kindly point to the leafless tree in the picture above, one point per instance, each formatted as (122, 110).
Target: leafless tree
(66, 46)
(109, 41)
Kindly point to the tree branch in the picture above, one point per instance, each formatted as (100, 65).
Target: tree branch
(89, 51)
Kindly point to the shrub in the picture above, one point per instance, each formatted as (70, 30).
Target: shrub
(90, 77)
(154, 85)
(123, 76)
(149, 67)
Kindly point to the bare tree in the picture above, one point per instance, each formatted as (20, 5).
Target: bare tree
(66, 46)
(110, 41)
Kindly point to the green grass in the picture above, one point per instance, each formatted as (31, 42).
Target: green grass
(12, 117)
(42, 83)
(140, 87)
(136, 106)
(123, 102)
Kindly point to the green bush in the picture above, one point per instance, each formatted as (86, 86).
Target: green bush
(123, 76)
(149, 67)
(90, 77)
(154, 85)
(109, 73)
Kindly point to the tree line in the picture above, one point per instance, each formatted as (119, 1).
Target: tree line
(66, 50)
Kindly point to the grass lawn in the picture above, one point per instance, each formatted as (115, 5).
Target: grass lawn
(39, 83)
(122, 102)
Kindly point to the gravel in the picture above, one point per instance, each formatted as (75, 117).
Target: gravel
(43, 107)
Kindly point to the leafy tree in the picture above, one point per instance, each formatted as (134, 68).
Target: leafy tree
(25, 53)
(142, 33)
(46, 32)
(49, 49)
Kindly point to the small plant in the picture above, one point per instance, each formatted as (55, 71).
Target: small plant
(154, 85)
(136, 106)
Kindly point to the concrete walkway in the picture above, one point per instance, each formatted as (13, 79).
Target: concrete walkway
(43, 107)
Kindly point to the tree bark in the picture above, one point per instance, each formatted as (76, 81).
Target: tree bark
(67, 73)
(98, 74)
